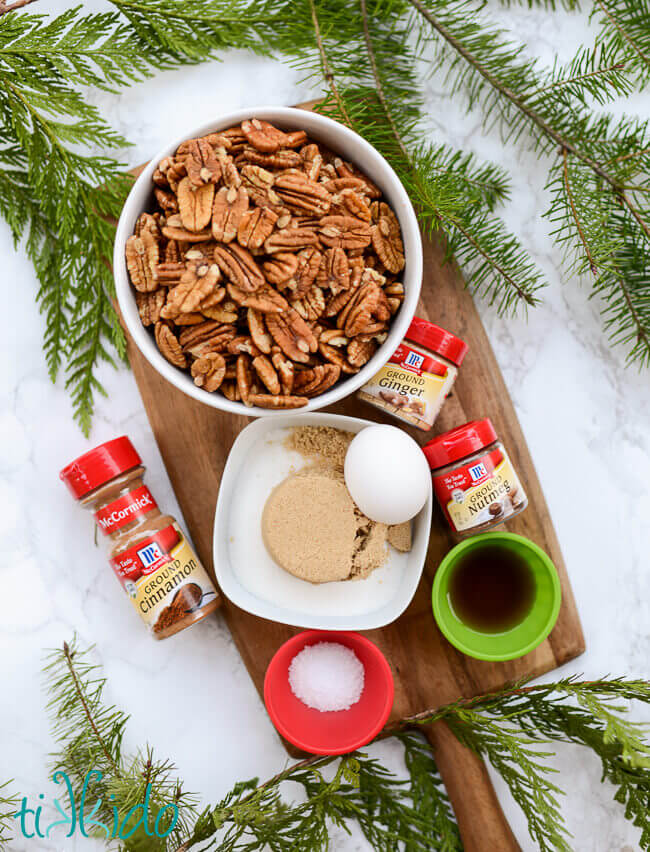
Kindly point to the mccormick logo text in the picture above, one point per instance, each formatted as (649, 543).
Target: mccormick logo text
(135, 507)
(413, 359)
(478, 471)
(151, 555)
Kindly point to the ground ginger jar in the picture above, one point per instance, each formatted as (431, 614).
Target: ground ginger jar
(473, 478)
(415, 382)
(150, 555)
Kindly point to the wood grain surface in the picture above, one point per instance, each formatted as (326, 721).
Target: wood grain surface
(195, 440)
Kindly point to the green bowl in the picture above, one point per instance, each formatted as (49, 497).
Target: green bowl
(518, 640)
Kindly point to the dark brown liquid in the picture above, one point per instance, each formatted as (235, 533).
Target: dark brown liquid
(491, 588)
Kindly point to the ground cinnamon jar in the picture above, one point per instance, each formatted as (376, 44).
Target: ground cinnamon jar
(150, 555)
(473, 478)
(415, 382)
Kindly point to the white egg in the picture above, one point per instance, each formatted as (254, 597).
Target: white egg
(387, 474)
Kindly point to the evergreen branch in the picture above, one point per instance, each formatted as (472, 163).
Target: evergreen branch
(628, 32)
(378, 84)
(598, 81)
(512, 727)
(328, 74)
(8, 806)
(494, 75)
(574, 212)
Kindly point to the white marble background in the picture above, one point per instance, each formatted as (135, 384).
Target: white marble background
(585, 416)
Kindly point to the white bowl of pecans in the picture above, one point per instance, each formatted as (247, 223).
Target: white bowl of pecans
(268, 260)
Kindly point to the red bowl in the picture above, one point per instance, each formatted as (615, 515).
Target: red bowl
(336, 731)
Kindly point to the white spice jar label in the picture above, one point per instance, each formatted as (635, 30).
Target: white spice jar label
(414, 383)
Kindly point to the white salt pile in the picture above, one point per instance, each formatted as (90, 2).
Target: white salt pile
(327, 676)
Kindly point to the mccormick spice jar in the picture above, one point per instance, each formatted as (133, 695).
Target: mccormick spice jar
(151, 557)
(415, 382)
(473, 479)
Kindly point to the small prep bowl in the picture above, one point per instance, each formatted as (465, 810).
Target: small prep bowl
(342, 141)
(249, 577)
(525, 636)
(337, 731)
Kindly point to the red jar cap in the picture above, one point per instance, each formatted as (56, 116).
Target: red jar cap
(459, 442)
(437, 339)
(98, 466)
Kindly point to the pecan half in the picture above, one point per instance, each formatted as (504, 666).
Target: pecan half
(209, 336)
(197, 282)
(317, 380)
(242, 345)
(266, 299)
(229, 206)
(285, 158)
(201, 163)
(350, 203)
(238, 265)
(150, 305)
(309, 261)
(266, 371)
(285, 370)
(244, 378)
(221, 313)
(281, 267)
(142, 257)
(263, 136)
(174, 229)
(292, 334)
(255, 226)
(267, 400)
(387, 237)
(312, 161)
(166, 200)
(257, 327)
(229, 390)
(195, 204)
(338, 184)
(168, 344)
(334, 271)
(208, 371)
(394, 291)
(300, 193)
(361, 351)
(287, 239)
(312, 304)
(344, 232)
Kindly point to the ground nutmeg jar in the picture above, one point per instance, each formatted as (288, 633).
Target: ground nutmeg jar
(473, 478)
(415, 382)
(149, 553)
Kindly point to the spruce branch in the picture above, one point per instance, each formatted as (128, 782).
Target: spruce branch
(551, 109)
(625, 30)
(8, 804)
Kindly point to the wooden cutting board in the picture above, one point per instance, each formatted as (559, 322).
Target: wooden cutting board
(195, 440)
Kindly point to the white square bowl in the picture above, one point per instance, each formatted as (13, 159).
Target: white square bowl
(248, 576)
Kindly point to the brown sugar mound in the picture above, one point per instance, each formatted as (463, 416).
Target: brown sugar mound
(309, 527)
(320, 443)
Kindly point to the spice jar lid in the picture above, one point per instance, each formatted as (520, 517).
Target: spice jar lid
(459, 442)
(437, 339)
(98, 466)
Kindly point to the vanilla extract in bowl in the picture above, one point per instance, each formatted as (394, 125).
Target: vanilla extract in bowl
(491, 588)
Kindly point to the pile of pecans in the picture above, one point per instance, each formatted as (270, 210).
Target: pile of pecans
(270, 269)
